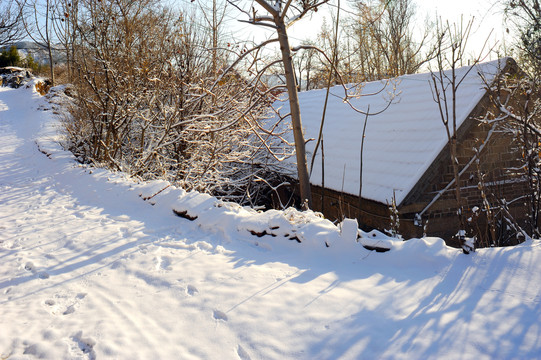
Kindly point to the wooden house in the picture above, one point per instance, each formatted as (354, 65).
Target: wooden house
(405, 153)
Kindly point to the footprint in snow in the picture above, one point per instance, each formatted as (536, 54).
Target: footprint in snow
(79, 214)
(163, 263)
(243, 355)
(84, 345)
(143, 249)
(125, 231)
(69, 310)
(220, 315)
(29, 266)
(36, 350)
(11, 245)
(63, 304)
(191, 290)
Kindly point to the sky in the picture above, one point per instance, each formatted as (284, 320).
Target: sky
(488, 16)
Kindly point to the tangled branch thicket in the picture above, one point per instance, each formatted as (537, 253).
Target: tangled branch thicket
(518, 99)
(153, 103)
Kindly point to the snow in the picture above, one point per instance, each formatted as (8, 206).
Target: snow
(94, 265)
(401, 141)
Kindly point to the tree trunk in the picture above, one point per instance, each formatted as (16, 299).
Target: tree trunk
(48, 41)
(214, 38)
(458, 193)
(300, 150)
(51, 64)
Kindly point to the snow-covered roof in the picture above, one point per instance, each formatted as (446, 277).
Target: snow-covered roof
(400, 143)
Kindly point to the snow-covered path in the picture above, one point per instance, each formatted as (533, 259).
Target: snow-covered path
(88, 270)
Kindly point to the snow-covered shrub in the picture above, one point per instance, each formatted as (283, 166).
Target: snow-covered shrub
(154, 101)
(516, 97)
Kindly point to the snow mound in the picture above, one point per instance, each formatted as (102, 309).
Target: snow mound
(308, 228)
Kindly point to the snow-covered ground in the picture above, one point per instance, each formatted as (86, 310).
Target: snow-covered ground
(93, 266)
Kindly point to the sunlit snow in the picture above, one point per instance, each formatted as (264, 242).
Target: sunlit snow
(94, 265)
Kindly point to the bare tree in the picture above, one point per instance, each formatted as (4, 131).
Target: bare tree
(279, 15)
(305, 63)
(325, 59)
(445, 84)
(38, 22)
(525, 16)
(11, 27)
(214, 17)
(150, 104)
(329, 39)
(65, 24)
(386, 45)
(522, 117)
(517, 97)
